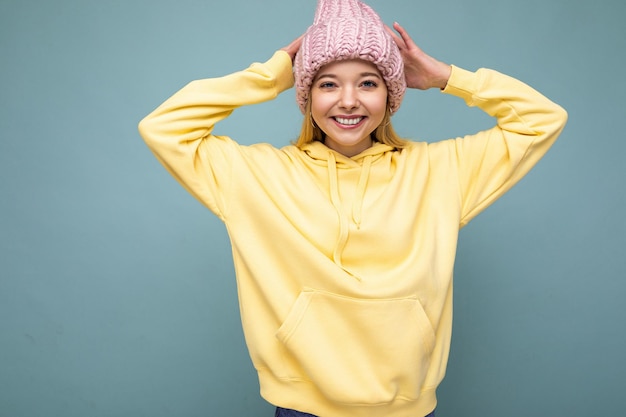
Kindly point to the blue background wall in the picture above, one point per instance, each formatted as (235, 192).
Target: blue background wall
(117, 294)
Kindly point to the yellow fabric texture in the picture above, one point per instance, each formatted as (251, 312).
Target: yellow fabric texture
(344, 265)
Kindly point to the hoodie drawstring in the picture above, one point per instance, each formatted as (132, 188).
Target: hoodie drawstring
(336, 201)
(357, 206)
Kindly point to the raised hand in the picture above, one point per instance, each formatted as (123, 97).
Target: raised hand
(421, 70)
(293, 47)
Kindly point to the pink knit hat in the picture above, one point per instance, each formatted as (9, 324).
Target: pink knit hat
(348, 29)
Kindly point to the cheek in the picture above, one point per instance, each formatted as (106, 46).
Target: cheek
(378, 107)
(319, 108)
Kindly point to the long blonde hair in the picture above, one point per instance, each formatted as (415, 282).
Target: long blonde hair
(384, 133)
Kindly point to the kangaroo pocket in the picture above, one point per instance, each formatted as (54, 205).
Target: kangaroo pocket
(359, 351)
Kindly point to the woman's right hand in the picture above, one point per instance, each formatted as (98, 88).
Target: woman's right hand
(293, 47)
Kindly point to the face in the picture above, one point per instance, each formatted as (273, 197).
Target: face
(348, 102)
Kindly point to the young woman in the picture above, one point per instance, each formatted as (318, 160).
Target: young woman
(344, 242)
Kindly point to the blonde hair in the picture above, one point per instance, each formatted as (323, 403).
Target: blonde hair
(384, 133)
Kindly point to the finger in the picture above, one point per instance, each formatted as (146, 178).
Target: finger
(297, 42)
(397, 39)
(406, 39)
(294, 46)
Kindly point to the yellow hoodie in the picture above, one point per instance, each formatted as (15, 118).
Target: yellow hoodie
(344, 265)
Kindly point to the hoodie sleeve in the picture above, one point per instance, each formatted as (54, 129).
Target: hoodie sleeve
(179, 131)
(491, 162)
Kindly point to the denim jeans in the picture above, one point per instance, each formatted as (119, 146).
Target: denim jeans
(284, 412)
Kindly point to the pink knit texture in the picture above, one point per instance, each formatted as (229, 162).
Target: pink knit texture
(348, 29)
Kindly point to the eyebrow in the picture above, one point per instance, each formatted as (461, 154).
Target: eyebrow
(362, 75)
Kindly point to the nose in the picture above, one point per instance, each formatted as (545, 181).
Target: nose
(349, 98)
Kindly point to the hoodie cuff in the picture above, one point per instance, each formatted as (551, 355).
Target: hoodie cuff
(463, 84)
(281, 66)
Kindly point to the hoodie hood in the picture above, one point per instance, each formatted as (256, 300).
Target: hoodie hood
(335, 162)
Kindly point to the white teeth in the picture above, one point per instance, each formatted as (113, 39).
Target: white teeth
(348, 121)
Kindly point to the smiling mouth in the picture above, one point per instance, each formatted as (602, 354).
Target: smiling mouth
(348, 121)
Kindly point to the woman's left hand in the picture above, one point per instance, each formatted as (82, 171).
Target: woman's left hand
(421, 70)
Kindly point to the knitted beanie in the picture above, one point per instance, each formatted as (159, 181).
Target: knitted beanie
(348, 29)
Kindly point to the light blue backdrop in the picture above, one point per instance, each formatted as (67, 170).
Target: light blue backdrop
(117, 294)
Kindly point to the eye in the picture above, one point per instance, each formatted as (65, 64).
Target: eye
(369, 84)
(326, 84)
